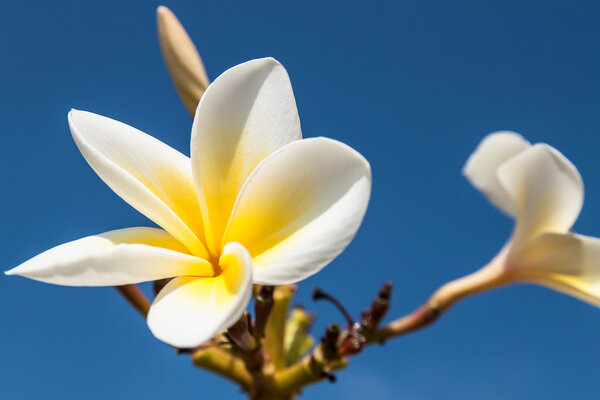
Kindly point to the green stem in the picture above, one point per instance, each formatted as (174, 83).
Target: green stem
(275, 328)
(225, 364)
(311, 369)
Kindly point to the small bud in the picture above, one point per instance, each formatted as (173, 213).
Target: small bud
(372, 316)
(182, 59)
(329, 342)
(297, 340)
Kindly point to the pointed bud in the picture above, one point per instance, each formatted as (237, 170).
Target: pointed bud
(372, 316)
(329, 342)
(182, 59)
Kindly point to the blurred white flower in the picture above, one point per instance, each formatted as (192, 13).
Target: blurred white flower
(538, 187)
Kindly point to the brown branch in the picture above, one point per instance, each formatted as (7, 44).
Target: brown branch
(135, 297)
(422, 317)
(488, 277)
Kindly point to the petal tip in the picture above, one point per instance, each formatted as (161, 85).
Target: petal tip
(162, 11)
(269, 60)
(164, 17)
(75, 113)
(482, 166)
(468, 168)
(365, 163)
(268, 63)
(273, 61)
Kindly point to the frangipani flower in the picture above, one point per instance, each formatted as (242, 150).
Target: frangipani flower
(543, 192)
(255, 203)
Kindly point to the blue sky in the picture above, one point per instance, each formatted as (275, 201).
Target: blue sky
(413, 86)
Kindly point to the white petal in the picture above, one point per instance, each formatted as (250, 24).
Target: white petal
(189, 311)
(568, 263)
(546, 188)
(151, 176)
(245, 114)
(114, 258)
(300, 208)
(481, 169)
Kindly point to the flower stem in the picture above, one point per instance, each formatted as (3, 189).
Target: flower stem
(490, 276)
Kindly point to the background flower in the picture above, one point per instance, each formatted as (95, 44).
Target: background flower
(543, 192)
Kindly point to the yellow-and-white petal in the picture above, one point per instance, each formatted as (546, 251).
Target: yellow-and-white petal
(300, 208)
(245, 115)
(113, 258)
(151, 176)
(565, 262)
(189, 311)
(481, 169)
(547, 190)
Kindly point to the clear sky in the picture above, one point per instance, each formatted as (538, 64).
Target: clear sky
(413, 86)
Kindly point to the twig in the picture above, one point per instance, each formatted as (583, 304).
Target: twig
(135, 297)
